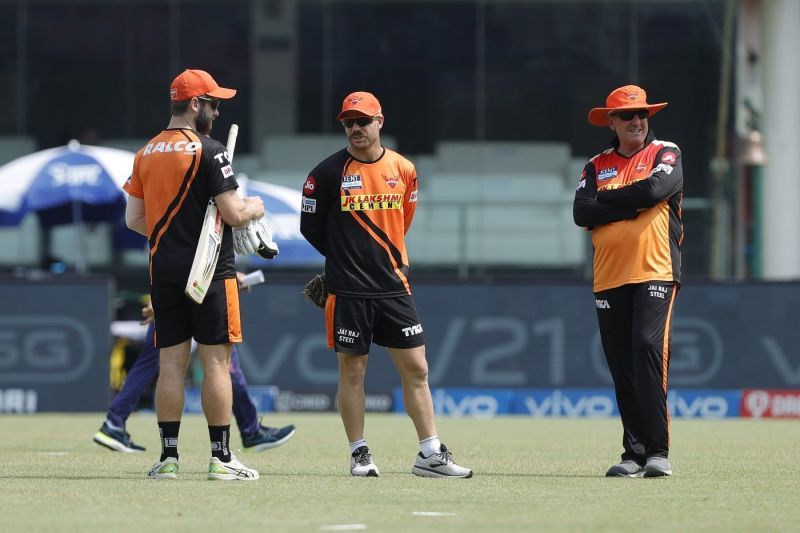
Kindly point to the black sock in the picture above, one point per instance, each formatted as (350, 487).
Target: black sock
(220, 438)
(169, 438)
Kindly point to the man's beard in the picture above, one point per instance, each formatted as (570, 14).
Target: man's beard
(203, 120)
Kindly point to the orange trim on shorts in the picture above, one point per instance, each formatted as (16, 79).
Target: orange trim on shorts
(330, 306)
(234, 316)
(665, 351)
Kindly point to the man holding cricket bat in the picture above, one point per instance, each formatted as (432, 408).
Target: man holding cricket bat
(175, 177)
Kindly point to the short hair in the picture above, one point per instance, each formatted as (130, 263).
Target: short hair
(180, 107)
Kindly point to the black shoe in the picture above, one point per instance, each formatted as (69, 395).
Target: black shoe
(118, 440)
(267, 437)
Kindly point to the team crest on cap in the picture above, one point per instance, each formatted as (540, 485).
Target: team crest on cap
(355, 99)
(632, 95)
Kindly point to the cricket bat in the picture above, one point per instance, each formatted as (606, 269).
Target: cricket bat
(207, 253)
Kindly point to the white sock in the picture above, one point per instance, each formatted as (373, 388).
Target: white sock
(357, 444)
(430, 446)
(112, 426)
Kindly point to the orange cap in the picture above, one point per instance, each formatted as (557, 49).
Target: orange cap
(627, 97)
(191, 83)
(359, 104)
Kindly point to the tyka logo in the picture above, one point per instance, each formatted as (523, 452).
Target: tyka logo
(416, 329)
(602, 304)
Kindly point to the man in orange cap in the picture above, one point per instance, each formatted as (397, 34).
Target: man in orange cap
(629, 196)
(357, 207)
(174, 177)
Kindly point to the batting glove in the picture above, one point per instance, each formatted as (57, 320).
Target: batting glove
(241, 241)
(261, 238)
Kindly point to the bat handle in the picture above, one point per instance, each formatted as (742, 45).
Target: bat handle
(230, 147)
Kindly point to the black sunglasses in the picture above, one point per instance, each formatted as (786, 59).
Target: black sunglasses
(628, 115)
(361, 121)
(213, 102)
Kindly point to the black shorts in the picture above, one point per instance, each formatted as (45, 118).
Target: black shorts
(355, 323)
(215, 321)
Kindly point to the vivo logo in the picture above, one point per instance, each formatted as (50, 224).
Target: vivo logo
(697, 407)
(558, 404)
(44, 349)
(478, 405)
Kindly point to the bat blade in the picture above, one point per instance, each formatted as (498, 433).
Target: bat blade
(209, 244)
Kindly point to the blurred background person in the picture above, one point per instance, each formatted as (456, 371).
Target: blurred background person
(113, 435)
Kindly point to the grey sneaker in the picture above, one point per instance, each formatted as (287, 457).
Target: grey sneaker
(361, 463)
(166, 469)
(439, 465)
(627, 468)
(657, 467)
(230, 471)
(116, 439)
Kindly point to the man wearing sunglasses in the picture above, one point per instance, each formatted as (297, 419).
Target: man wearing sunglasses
(629, 196)
(358, 205)
(174, 177)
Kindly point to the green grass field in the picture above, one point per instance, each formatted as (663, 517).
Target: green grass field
(530, 475)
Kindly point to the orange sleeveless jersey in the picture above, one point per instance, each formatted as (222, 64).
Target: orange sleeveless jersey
(356, 214)
(633, 207)
(176, 174)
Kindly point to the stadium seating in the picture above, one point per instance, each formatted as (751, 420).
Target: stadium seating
(500, 157)
(498, 204)
(125, 143)
(482, 204)
(303, 152)
(14, 146)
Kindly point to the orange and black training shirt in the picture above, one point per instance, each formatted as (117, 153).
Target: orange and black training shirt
(356, 214)
(176, 174)
(633, 207)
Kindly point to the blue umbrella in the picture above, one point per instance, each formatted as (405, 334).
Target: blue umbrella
(65, 185)
(282, 205)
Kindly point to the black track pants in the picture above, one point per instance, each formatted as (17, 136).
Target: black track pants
(635, 323)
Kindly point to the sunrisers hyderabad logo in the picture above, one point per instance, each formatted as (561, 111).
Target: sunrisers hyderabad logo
(390, 180)
(310, 186)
